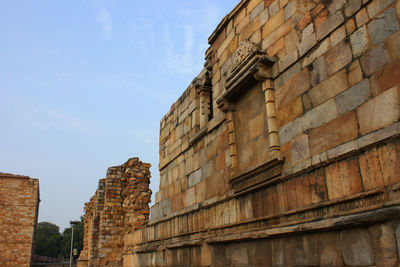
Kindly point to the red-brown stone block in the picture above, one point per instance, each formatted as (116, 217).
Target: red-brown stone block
(333, 133)
(371, 170)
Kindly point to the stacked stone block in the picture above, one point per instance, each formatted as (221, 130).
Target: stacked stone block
(19, 207)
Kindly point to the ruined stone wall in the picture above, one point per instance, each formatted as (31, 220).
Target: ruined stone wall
(289, 137)
(119, 207)
(19, 207)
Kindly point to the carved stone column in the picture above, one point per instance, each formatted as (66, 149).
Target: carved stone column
(204, 106)
(229, 109)
(204, 89)
(273, 135)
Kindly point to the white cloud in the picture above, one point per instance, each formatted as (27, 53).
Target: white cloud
(181, 58)
(104, 18)
(70, 123)
(51, 119)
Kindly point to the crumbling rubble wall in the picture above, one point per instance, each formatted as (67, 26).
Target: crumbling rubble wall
(119, 207)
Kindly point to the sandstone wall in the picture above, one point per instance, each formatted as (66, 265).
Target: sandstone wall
(284, 150)
(293, 123)
(119, 207)
(19, 206)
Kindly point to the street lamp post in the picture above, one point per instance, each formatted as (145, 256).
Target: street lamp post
(72, 223)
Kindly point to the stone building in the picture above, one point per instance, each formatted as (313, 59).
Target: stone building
(284, 150)
(19, 206)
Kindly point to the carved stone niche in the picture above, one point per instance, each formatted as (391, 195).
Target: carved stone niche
(249, 104)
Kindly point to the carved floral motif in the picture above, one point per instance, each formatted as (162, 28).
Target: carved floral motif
(245, 49)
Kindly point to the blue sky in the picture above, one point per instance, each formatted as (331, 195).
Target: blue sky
(84, 84)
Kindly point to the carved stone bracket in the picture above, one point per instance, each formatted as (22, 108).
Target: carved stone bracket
(251, 66)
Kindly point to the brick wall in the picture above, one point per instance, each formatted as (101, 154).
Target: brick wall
(19, 204)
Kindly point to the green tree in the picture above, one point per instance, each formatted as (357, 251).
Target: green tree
(48, 240)
(78, 239)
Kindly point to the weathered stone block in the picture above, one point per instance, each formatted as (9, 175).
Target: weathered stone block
(307, 43)
(257, 10)
(353, 97)
(390, 76)
(352, 7)
(338, 35)
(336, 132)
(321, 18)
(273, 8)
(359, 41)
(273, 23)
(379, 112)
(277, 34)
(288, 60)
(329, 25)
(388, 155)
(356, 247)
(328, 88)
(320, 115)
(329, 249)
(338, 57)
(239, 254)
(384, 244)
(394, 45)
(290, 9)
(260, 252)
(304, 21)
(291, 111)
(370, 169)
(362, 17)
(299, 149)
(194, 178)
(350, 26)
(276, 47)
(220, 255)
(374, 59)
(383, 26)
(355, 73)
(319, 72)
(292, 89)
(278, 258)
(291, 130)
(377, 6)
(321, 49)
